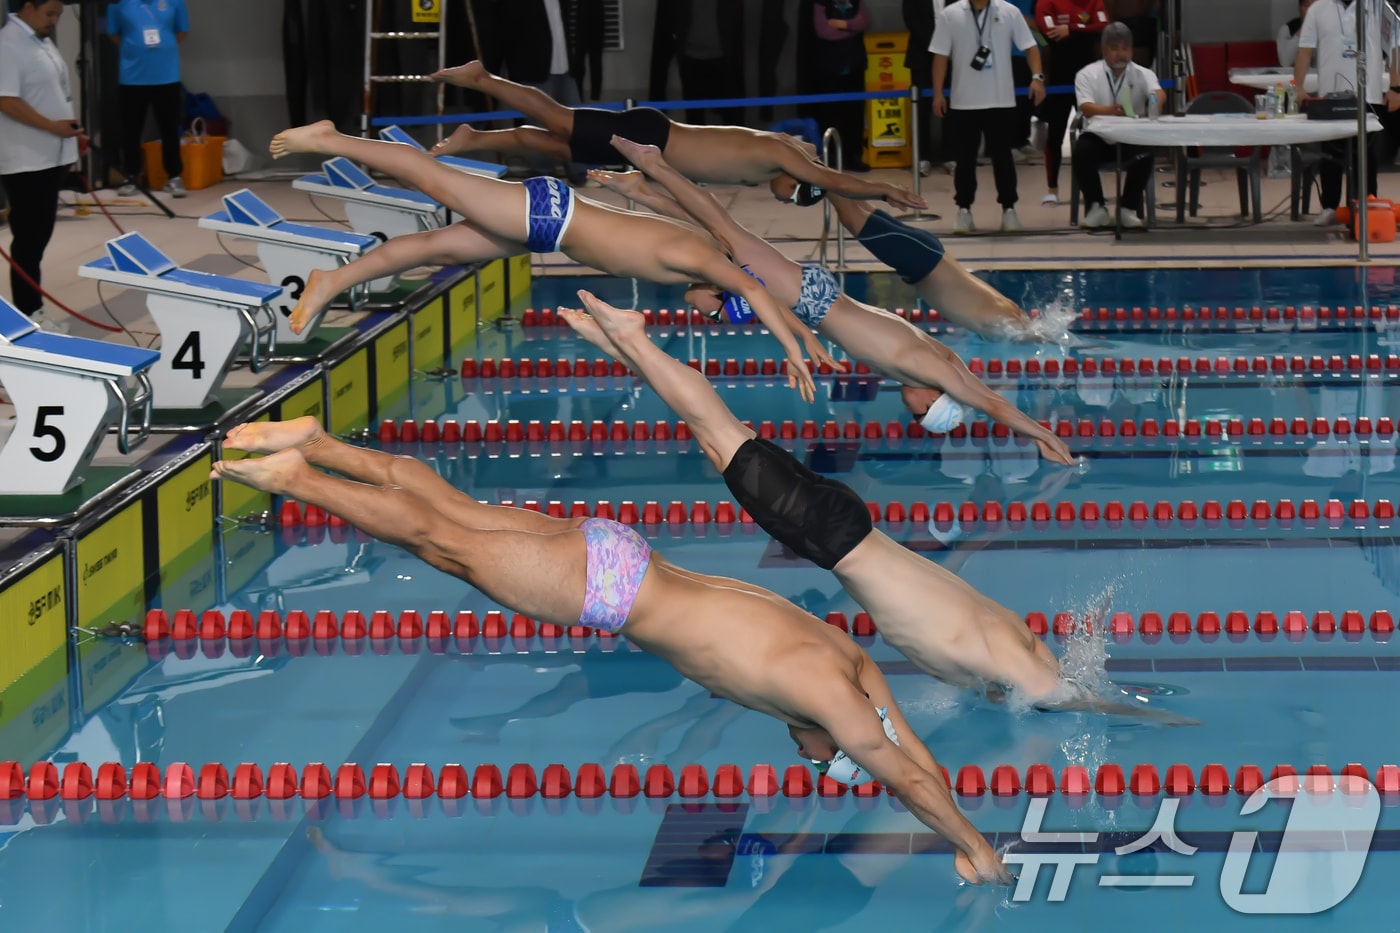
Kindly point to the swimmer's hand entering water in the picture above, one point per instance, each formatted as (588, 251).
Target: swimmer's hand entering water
(984, 867)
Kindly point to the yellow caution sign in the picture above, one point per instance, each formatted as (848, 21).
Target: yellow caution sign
(427, 11)
(887, 119)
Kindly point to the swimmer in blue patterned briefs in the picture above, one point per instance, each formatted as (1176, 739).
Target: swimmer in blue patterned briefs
(507, 218)
(883, 341)
(739, 641)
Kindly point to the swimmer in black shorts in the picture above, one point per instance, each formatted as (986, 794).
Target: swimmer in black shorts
(933, 617)
(918, 258)
(721, 155)
(883, 341)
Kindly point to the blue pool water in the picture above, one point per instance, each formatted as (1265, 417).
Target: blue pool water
(779, 863)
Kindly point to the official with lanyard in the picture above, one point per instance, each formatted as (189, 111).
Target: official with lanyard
(149, 33)
(39, 139)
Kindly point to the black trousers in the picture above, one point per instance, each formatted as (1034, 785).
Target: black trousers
(1091, 152)
(1339, 159)
(966, 129)
(1021, 74)
(711, 79)
(848, 116)
(33, 200)
(167, 103)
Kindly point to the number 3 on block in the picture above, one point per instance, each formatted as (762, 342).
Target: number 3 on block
(188, 357)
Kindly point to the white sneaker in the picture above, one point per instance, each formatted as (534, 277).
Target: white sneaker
(1050, 199)
(964, 225)
(1327, 218)
(48, 324)
(1095, 218)
(925, 168)
(1010, 223)
(175, 188)
(127, 190)
(1129, 220)
(1026, 153)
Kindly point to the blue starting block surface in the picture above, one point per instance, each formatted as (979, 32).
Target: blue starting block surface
(246, 214)
(21, 341)
(395, 134)
(133, 260)
(343, 178)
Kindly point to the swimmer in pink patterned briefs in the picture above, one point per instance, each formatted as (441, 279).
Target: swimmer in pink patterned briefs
(740, 641)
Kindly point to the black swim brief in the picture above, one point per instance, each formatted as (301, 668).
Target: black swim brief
(814, 517)
(909, 251)
(590, 142)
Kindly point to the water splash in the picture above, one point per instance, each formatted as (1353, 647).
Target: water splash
(1053, 324)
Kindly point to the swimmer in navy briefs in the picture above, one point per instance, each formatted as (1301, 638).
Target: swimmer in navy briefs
(737, 640)
(720, 155)
(507, 218)
(947, 628)
(885, 342)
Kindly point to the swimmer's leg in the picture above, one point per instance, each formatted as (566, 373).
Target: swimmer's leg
(967, 301)
(852, 214)
(558, 699)
(543, 576)
(376, 468)
(520, 141)
(496, 207)
(687, 392)
(458, 243)
(531, 101)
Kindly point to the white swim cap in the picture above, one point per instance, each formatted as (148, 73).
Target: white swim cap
(943, 415)
(843, 769)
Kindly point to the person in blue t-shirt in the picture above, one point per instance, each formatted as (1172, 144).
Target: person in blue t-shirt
(149, 33)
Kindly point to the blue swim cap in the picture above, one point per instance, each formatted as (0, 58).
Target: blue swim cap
(733, 308)
(843, 769)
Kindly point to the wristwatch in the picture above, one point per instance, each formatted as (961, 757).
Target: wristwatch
(1038, 77)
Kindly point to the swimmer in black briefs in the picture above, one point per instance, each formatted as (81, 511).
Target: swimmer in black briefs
(934, 618)
(722, 155)
(918, 258)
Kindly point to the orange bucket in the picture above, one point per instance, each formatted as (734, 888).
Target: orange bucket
(201, 158)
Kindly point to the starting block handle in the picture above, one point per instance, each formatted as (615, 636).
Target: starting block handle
(142, 399)
(262, 335)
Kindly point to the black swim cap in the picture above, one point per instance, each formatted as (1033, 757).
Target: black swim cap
(806, 194)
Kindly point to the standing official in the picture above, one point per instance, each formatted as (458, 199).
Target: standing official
(149, 33)
(39, 139)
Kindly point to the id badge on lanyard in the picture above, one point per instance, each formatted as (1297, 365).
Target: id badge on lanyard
(1348, 42)
(152, 37)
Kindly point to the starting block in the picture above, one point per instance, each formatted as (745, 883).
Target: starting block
(395, 134)
(289, 253)
(380, 211)
(203, 320)
(67, 393)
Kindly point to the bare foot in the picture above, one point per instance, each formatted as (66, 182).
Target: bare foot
(313, 137)
(586, 327)
(468, 75)
(272, 474)
(462, 139)
(637, 154)
(624, 183)
(318, 293)
(268, 437)
(621, 327)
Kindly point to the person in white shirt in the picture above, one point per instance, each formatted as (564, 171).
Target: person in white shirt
(973, 42)
(1287, 40)
(39, 138)
(1329, 33)
(1114, 87)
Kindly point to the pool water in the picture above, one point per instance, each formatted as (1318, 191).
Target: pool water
(755, 862)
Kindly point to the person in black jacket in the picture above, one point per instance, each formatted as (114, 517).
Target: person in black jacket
(919, 20)
(706, 39)
(840, 68)
(535, 51)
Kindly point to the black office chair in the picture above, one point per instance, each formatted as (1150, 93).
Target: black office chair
(1190, 160)
(1076, 127)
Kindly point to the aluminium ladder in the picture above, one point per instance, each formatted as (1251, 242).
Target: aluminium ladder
(426, 12)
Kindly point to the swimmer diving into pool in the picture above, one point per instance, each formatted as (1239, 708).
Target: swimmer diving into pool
(947, 628)
(717, 155)
(740, 641)
(507, 218)
(885, 342)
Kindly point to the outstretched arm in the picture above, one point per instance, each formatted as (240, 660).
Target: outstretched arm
(715, 269)
(797, 163)
(634, 186)
(953, 377)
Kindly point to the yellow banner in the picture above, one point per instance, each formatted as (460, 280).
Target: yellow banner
(33, 621)
(185, 513)
(34, 711)
(246, 553)
(391, 370)
(461, 311)
(349, 393)
(190, 584)
(429, 325)
(112, 569)
(492, 299)
(310, 399)
(240, 499)
(518, 273)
